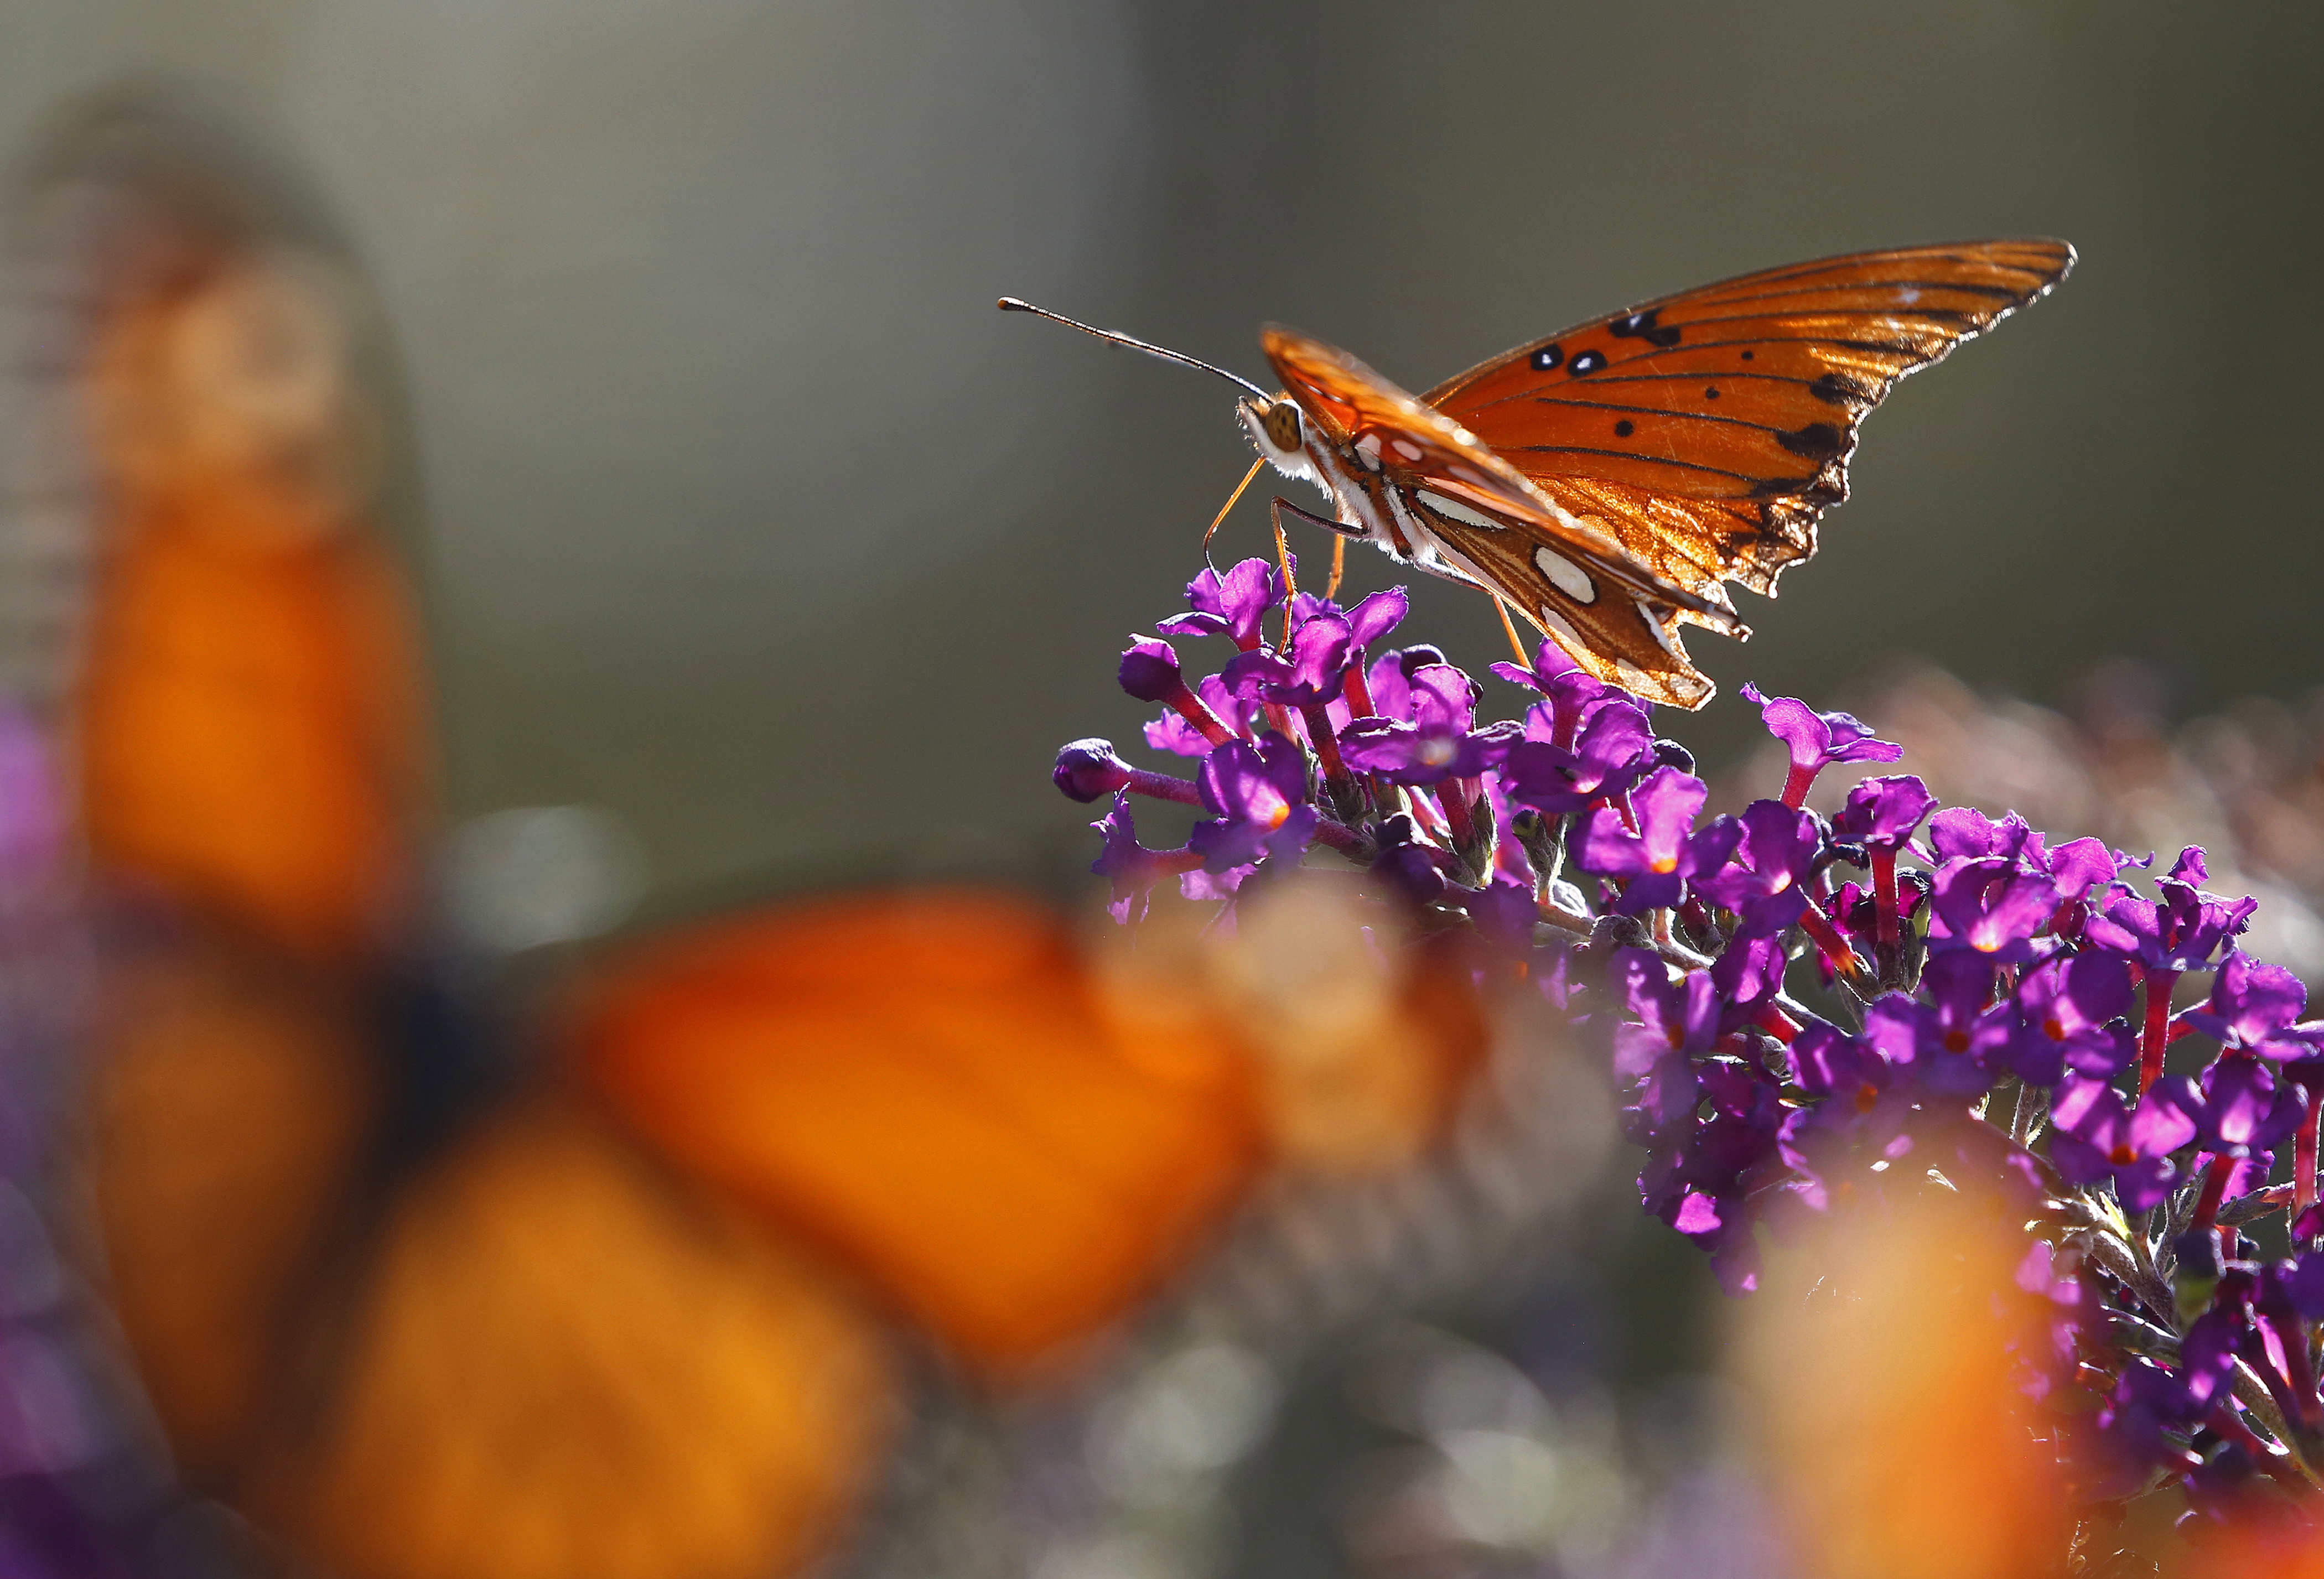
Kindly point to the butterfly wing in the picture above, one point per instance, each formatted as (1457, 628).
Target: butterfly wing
(1417, 451)
(1706, 431)
(930, 1084)
(525, 1349)
(1614, 603)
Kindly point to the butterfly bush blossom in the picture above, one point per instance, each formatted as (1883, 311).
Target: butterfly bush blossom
(1996, 1009)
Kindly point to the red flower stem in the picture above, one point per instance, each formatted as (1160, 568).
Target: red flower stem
(1358, 689)
(2159, 983)
(1327, 745)
(2304, 1158)
(1565, 724)
(2207, 1206)
(1776, 1023)
(1451, 794)
(1883, 897)
(2299, 1402)
(1278, 718)
(2228, 1423)
(1796, 784)
(1424, 810)
(1190, 707)
(1163, 787)
(1817, 926)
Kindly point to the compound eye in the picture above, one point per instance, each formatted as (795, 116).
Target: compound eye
(1282, 423)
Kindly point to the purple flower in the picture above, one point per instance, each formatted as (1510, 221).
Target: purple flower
(1260, 797)
(1714, 1167)
(1664, 851)
(1173, 733)
(1613, 748)
(1149, 672)
(2094, 1136)
(1232, 605)
(1088, 769)
(1315, 673)
(1674, 1017)
(2253, 1006)
(2242, 1107)
(1748, 978)
(1569, 688)
(2144, 1424)
(1827, 1063)
(1963, 833)
(2080, 865)
(1378, 614)
(1132, 868)
(2182, 929)
(1766, 884)
(1992, 906)
(1504, 912)
(1817, 740)
(1953, 1046)
(1440, 743)
(2066, 1008)
(1883, 813)
(1406, 864)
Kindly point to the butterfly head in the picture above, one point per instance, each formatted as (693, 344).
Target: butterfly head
(1280, 432)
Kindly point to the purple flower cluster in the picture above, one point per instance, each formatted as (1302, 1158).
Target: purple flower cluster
(1991, 1011)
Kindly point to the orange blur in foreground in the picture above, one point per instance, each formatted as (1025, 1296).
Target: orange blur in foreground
(524, 1345)
(1894, 1437)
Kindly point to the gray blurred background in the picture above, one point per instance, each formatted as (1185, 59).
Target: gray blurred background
(746, 515)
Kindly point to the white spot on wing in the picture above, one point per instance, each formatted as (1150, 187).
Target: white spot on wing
(1567, 576)
(1408, 449)
(1648, 613)
(1555, 623)
(1455, 510)
(1368, 450)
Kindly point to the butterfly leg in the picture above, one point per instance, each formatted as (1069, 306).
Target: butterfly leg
(1510, 629)
(1283, 507)
(1216, 520)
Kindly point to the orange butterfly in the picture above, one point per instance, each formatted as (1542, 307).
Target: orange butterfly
(1606, 481)
(619, 1282)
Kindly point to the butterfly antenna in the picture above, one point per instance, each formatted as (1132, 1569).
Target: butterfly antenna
(1011, 304)
(1216, 520)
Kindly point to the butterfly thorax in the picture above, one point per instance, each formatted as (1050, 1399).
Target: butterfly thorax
(1370, 496)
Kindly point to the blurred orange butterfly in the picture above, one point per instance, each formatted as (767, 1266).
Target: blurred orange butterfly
(611, 1284)
(1606, 481)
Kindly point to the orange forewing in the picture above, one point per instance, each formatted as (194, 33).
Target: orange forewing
(1737, 402)
(1663, 450)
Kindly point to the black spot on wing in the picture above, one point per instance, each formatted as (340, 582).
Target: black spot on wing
(1625, 427)
(1588, 362)
(1816, 441)
(1836, 389)
(1545, 357)
(1820, 489)
(1641, 326)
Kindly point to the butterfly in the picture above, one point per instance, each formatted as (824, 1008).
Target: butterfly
(1606, 482)
(436, 1266)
